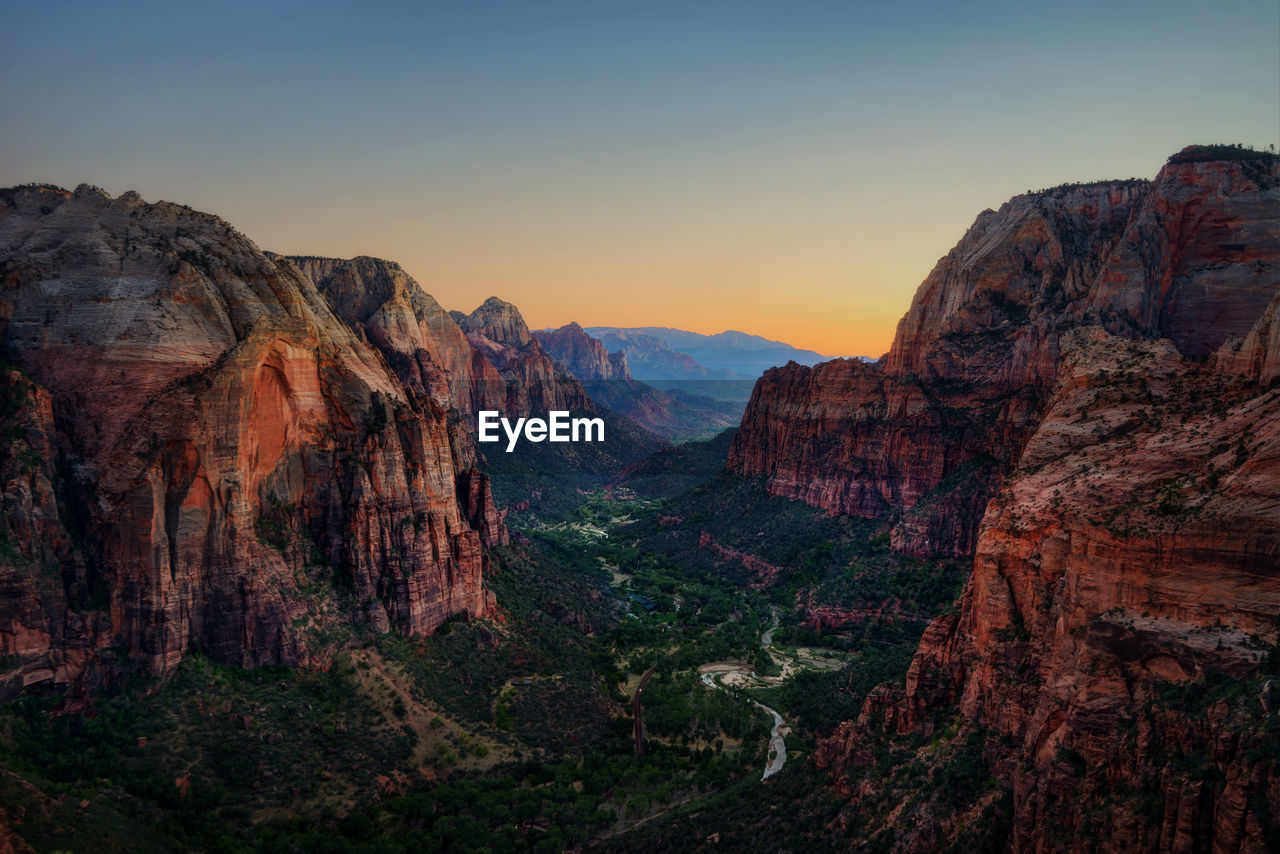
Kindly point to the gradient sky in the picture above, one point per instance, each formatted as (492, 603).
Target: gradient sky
(789, 169)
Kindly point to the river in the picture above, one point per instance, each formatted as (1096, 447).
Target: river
(777, 740)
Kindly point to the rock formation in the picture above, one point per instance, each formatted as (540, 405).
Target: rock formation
(582, 355)
(200, 454)
(419, 340)
(1116, 345)
(925, 436)
(499, 322)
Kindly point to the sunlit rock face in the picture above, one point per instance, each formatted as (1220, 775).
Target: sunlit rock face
(582, 355)
(201, 454)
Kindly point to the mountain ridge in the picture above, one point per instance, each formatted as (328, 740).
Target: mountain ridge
(727, 355)
(671, 413)
(1081, 400)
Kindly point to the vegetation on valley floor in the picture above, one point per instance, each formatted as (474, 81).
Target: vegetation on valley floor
(514, 733)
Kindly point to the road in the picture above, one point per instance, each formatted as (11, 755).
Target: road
(635, 711)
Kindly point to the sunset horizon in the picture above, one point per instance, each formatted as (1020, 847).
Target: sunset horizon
(777, 169)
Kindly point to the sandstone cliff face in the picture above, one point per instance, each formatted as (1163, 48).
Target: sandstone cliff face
(428, 352)
(582, 355)
(420, 341)
(1126, 578)
(203, 454)
(1257, 357)
(1135, 549)
(499, 322)
(925, 436)
(1197, 263)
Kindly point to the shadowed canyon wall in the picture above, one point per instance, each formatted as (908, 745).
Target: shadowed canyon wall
(1082, 398)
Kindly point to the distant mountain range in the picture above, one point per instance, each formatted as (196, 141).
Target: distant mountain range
(663, 353)
(676, 414)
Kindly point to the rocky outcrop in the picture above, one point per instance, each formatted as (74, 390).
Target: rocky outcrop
(420, 341)
(497, 321)
(925, 436)
(1197, 263)
(582, 355)
(653, 358)
(1257, 357)
(1114, 639)
(203, 455)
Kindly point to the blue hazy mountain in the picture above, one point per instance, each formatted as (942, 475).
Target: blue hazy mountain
(663, 353)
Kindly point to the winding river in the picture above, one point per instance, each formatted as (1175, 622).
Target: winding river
(777, 742)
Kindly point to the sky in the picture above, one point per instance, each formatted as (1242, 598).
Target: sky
(790, 169)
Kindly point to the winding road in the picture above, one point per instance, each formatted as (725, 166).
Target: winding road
(635, 710)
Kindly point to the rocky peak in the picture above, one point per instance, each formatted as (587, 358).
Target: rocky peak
(582, 355)
(420, 340)
(618, 364)
(977, 355)
(1195, 263)
(498, 321)
(85, 190)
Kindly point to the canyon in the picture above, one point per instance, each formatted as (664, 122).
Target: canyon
(216, 459)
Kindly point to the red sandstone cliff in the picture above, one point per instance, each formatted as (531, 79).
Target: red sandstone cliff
(925, 436)
(582, 355)
(200, 453)
(1128, 560)
(1135, 550)
(420, 341)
